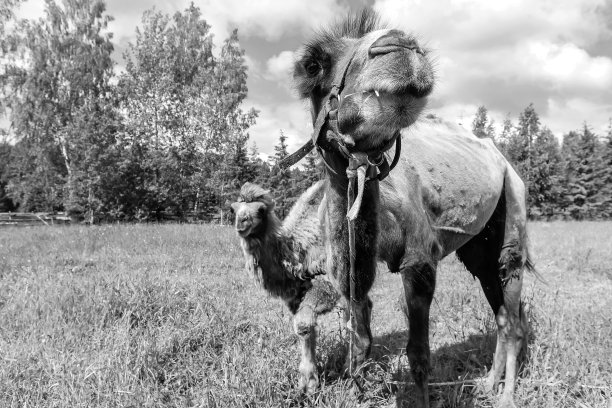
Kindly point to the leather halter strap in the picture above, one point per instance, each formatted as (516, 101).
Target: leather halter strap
(328, 115)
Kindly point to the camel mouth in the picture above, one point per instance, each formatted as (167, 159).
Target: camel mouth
(243, 232)
(406, 91)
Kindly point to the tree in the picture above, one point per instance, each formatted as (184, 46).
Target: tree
(6, 204)
(58, 91)
(604, 175)
(505, 136)
(545, 175)
(580, 153)
(280, 150)
(480, 125)
(282, 184)
(519, 148)
(183, 114)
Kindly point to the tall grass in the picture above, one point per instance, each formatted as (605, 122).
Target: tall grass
(164, 315)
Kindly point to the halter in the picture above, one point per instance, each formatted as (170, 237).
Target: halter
(328, 115)
(361, 166)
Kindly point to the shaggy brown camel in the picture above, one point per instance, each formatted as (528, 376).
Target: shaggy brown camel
(285, 259)
(367, 87)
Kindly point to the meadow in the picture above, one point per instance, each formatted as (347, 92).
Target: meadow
(165, 315)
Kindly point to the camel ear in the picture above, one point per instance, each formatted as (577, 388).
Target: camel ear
(234, 207)
(261, 208)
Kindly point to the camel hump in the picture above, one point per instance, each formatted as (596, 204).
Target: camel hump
(302, 223)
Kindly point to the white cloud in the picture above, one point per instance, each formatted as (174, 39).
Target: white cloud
(254, 67)
(566, 65)
(564, 115)
(505, 54)
(269, 19)
(279, 68)
(292, 118)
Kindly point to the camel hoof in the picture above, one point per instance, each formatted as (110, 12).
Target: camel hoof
(485, 385)
(506, 401)
(308, 384)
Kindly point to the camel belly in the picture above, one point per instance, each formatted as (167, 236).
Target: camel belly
(447, 182)
(461, 176)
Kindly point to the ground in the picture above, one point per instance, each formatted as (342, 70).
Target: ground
(165, 315)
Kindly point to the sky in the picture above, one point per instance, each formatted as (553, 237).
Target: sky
(503, 54)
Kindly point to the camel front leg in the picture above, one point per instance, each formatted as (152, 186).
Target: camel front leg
(305, 326)
(319, 299)
(419, 284)
(359, 329)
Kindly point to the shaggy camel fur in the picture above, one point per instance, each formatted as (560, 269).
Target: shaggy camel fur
(449, 191)
(285, 259)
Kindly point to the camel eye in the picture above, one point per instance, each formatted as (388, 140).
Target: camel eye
(312, 67)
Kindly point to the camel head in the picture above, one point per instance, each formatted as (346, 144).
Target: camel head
(387, 78)
(252, 210)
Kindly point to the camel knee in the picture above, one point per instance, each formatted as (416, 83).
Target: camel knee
(512, 259)
(305, 322)
(322, 297)
(512, 326)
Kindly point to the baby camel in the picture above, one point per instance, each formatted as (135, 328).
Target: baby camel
(285, 258)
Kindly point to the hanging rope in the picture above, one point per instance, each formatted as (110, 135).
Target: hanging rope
(358, 165)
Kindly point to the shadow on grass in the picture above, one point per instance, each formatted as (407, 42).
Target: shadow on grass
(465, 360)
(387, 372)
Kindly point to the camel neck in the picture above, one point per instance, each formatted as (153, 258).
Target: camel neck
(366, 227)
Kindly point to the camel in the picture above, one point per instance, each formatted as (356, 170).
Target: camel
(367, 86)
(285, 259)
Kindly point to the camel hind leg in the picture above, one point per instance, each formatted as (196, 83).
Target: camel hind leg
(419, 281)
(497, 256)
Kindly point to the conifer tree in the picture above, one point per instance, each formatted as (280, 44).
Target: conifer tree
(545, 175)
(605, 175)
(281, 183)
(580, 153)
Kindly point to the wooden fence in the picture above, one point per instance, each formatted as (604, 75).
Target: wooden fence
(25, 219)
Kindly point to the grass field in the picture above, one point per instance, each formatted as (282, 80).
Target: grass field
(164, 315)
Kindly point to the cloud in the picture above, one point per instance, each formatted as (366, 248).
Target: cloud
(569, 67)
(279, 68)
(254, 67)
(508, 53)
(270, 19)
(292, 118)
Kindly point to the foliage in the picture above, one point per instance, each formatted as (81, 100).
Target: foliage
(57, 89)
(482, 127)
(568, 181)
(182, 113)
(6, 204)
(168, 137)
(582, 165)
(604, 176)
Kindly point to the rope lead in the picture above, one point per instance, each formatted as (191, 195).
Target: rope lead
(358, 164)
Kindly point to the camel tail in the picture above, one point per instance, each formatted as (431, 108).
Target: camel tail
(516, 218)
(530, 267)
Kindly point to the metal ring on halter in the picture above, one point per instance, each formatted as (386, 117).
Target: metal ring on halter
(381, 158)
